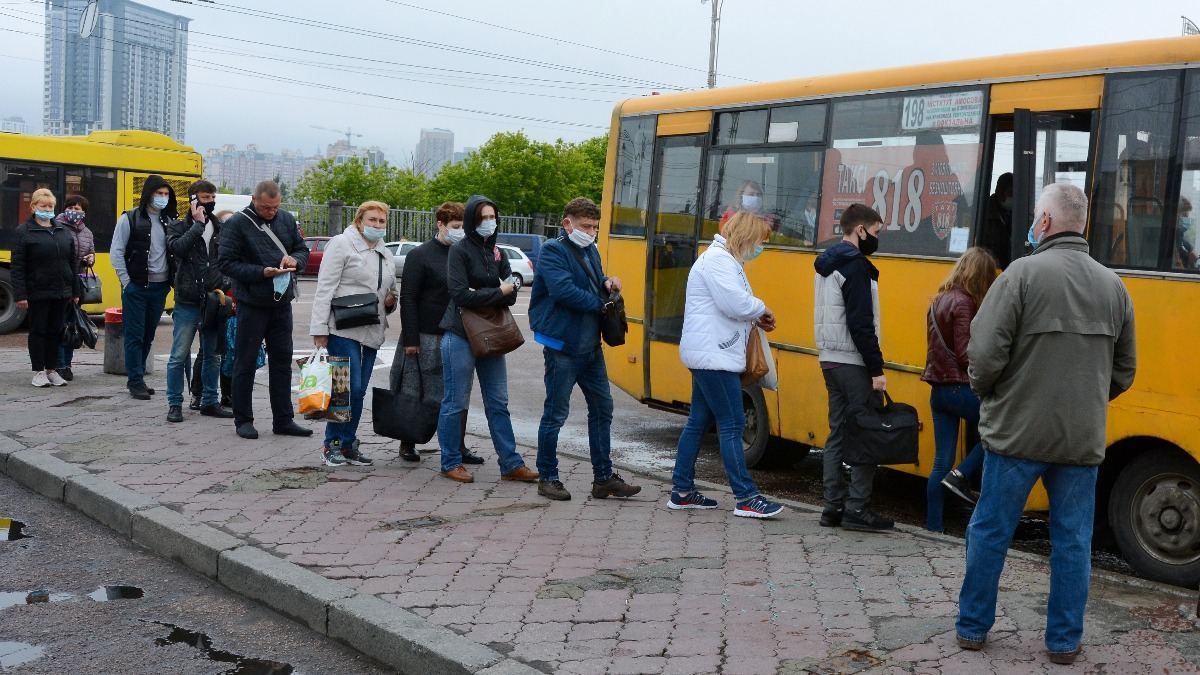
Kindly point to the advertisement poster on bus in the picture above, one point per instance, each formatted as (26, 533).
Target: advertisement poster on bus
(924, 193)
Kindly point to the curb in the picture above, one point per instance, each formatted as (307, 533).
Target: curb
(374, 627)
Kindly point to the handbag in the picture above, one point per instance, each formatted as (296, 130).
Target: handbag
(215, 309)
(760, 365)
(492, 331)
(360, 309)
(882, 432)
(405, 413)
(92, 292)
(613, 324)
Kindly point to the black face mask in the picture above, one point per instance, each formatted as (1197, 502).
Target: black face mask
(869, 244)
(208, 207)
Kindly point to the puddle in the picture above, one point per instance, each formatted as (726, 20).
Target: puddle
(12, 530)
(106, 593)
(240, 665)
(13, 654)
(14, 598)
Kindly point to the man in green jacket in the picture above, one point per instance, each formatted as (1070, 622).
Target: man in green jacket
(1052, 344)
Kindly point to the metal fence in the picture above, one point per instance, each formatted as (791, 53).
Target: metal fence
(403, 224)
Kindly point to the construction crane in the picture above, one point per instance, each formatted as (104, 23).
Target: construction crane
(348, 133)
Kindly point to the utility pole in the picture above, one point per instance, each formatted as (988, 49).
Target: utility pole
(713, 35)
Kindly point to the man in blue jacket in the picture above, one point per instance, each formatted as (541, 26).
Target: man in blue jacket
(564, 312)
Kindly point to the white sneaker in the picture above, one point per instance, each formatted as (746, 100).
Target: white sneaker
(55, 379)
(40, 379)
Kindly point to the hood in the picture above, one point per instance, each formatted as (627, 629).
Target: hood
(836, 257)
(153, 183)
(470, 222)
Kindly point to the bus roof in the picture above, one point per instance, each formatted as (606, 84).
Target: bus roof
(122, 149)
(1073, 61)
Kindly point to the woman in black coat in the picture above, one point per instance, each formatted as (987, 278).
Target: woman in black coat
(45, 278)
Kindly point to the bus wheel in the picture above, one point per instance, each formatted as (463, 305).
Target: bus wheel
(758, 426)
(1154, 512)
(11, 316)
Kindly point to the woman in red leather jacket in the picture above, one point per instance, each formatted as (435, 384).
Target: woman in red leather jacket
(948, 330)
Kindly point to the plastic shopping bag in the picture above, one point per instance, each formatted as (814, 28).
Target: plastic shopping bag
(316, 385)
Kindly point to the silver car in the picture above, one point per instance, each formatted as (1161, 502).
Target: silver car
(400, 249)
(522, 266)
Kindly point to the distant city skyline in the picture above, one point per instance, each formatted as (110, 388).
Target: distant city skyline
(435, 149)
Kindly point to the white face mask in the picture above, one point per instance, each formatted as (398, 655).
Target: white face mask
(752, 202)
(454, 236)
(580, 238)
(486, 228)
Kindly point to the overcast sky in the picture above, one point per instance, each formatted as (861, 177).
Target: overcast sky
(760, 40)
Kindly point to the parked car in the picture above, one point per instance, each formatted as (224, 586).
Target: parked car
(316, 250)
(530, 244)
(400, 249)
(522, 266)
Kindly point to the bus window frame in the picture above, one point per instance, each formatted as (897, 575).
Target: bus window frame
(612, 226)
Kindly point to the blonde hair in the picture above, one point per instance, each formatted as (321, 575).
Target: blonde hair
(974, 273)
(369, 206)
(41, 196)
(743, 232)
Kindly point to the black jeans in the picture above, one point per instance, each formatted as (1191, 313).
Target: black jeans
(255, 324)
(849, 387)
(47, 318)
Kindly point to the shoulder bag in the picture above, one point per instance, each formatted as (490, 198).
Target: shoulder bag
(93, 292)
(882, 432)
(613, 324)
(360, 309)
(491, 331)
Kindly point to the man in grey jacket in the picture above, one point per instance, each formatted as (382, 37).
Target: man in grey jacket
(1052, 344)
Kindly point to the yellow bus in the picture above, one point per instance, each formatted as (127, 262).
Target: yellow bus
(925, 146)
(106, 167)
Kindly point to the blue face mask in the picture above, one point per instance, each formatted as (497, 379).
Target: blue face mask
(1185, 223)
(486, 228)
(373, 233)
(160, 202)
(281, 284)
(43, 215)
(755, 253)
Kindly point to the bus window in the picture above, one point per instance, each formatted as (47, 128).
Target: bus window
(635, 154)
(1131, 178)
(914, 158)
(675, 209)
(788, 180)
(99, 187)
(18, 180)
(743, 127)
(797, 124)
(1186, 254)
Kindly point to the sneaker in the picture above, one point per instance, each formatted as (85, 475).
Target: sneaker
(553, 489)
(195, 404)
(757, 507)
(831, 516)
(355, 457)
(175, 413)
(615, 486)
(66, 374)
(692, 500)
(866, 521)
(333, 457)
(55, 379)
(40, 379)
(957, 483)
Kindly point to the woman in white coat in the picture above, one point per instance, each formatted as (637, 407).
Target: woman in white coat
(718, 315)
(355, 263)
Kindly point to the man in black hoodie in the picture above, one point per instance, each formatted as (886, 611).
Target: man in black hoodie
(140, 257)
(847, 332)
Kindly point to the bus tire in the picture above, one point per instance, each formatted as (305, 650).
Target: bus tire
(1154, 513)
(757, 433)
(11, 316)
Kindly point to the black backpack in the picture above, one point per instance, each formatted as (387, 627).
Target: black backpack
(882, 432)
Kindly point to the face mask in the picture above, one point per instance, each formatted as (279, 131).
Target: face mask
(43, 215)
(581, 239)
(73, 217)
(455, 235)
(209, 208)
(281, 284)
(160, 202)
(374, 233)
(868, 245)
(486, 228)
(1185, 223)
(755, 253)
(1006, 204)
(752, 202)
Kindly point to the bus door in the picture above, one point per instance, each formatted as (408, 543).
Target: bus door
(675, 222)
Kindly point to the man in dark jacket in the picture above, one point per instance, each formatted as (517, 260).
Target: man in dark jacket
(139, 255)
(564, 311)
(847, 335)
(194, 243)
(261, 250)
(424, 297)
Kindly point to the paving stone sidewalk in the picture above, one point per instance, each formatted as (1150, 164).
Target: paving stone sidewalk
(585, 586)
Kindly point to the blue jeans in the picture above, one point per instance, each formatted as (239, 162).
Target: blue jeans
(362, 364)
(141, 308)
(1006, 485)
(563, 372)
(186, 319)
(458, 365)
(716, 394)
(949, 403)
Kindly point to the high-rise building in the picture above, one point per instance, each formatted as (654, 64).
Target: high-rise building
(463, 154)
(342, 152)
(14, 125)
(241, 170)
(434, 150)
(129, 73)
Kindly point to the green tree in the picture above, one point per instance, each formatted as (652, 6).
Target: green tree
(354, 183)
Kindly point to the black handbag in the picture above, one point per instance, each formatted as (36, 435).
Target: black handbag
(613, 324)
(882, 432)
(405, 413)
(360, 309)
(91, 290)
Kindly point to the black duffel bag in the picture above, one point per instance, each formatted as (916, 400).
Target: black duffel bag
(407, 413)
(882, 432)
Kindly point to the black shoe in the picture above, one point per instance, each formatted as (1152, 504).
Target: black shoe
(66, 374)
(226, 402)
(959, 485)
(615, 486)
(866, 521)
(469, 457)
(175, 413)
(148, 390)
(355, 457)
(409, 453)
(832, 516)
(195, 404)
(553, 489)
(139, 391)
(290, 428)
(215, 411)
(247, 430)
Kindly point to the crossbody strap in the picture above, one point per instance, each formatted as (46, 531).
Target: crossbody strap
(938, 329)
(266, 229)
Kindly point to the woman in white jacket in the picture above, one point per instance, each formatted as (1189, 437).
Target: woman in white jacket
(718, 316)
(355, 263)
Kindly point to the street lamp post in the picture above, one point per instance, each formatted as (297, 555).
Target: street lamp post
(713, 39)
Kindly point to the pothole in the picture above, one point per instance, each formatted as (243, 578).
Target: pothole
(241, 665)
(295, 478)
(843, 662)
(106, 593)
(80, 399)
(438, 521)
(660, 577)
(13, 654)
(11, 530)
